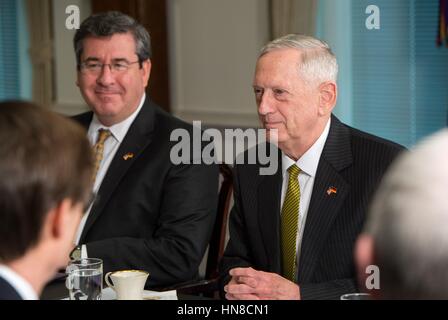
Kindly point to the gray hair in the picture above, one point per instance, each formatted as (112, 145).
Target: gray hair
(110, 23)
(317, 60)
(408, 221)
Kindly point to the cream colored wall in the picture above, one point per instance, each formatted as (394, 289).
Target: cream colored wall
(68, 99)
(214, 45)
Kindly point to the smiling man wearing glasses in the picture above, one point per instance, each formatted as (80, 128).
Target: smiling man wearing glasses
(113, 89)
(149, 214)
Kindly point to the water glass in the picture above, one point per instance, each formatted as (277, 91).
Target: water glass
(85, 279)
(356, 296)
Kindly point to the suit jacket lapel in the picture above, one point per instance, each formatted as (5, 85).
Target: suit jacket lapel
(136, 140)
(324, 206)
(269, 194)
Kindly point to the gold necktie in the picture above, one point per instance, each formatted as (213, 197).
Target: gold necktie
(289, 223)
(98, 149)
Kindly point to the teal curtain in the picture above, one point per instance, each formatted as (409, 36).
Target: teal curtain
(400, 76)
(15, 66)
(393, 82)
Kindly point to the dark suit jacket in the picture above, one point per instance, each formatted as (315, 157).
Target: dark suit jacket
(7, 292)
(149, 213)
(353, 162)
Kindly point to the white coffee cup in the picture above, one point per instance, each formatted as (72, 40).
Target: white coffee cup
(128, 284)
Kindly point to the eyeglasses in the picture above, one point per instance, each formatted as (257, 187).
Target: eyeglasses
(95, 68)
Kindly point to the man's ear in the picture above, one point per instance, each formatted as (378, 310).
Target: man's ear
(57, 218)
(78, 75)
(146, 71)
(328, 93)
(364, 257)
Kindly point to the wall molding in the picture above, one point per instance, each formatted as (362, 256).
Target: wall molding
(69, 108)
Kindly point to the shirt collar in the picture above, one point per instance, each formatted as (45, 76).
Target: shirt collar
(118, 130)
(23, 288)
(309, 161)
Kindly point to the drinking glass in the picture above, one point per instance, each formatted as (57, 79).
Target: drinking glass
(356, 296)
(85, 279)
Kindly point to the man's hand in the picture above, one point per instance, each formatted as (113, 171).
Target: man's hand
(250, 284)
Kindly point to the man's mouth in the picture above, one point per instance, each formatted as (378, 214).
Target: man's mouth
(106, 92)
(271, 124)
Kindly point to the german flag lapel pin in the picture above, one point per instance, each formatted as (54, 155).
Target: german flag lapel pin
(128, 156)
(332, 190)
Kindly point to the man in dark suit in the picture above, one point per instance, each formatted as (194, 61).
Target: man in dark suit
(292, 233)
(149, 214)
(45, 170)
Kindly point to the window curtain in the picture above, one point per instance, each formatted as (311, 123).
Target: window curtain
(399, 73)
(9, 64)
(41, 50)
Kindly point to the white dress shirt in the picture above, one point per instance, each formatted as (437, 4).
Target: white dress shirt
(111, 145)
(23, 287)
(307, 163)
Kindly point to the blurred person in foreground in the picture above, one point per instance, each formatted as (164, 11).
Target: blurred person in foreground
(406, 230)
(292, 233)
(45, 182)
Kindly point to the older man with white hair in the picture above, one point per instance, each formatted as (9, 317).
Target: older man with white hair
(292, 233)
(406, 231)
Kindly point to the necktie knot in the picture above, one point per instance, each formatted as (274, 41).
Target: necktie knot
(294, 171)
(103, 134)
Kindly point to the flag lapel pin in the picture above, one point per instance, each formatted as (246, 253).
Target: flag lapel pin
(128, 156)
(332, 190)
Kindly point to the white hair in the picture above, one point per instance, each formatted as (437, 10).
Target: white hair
(317, 60)
(409, 222)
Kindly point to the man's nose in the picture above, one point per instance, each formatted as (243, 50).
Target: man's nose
(105, 77)
(265, 105)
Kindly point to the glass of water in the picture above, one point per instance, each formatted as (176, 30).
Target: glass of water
(85, 279)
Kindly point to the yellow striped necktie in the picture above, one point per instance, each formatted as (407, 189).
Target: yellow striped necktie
(98, 149)
(289, 223)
